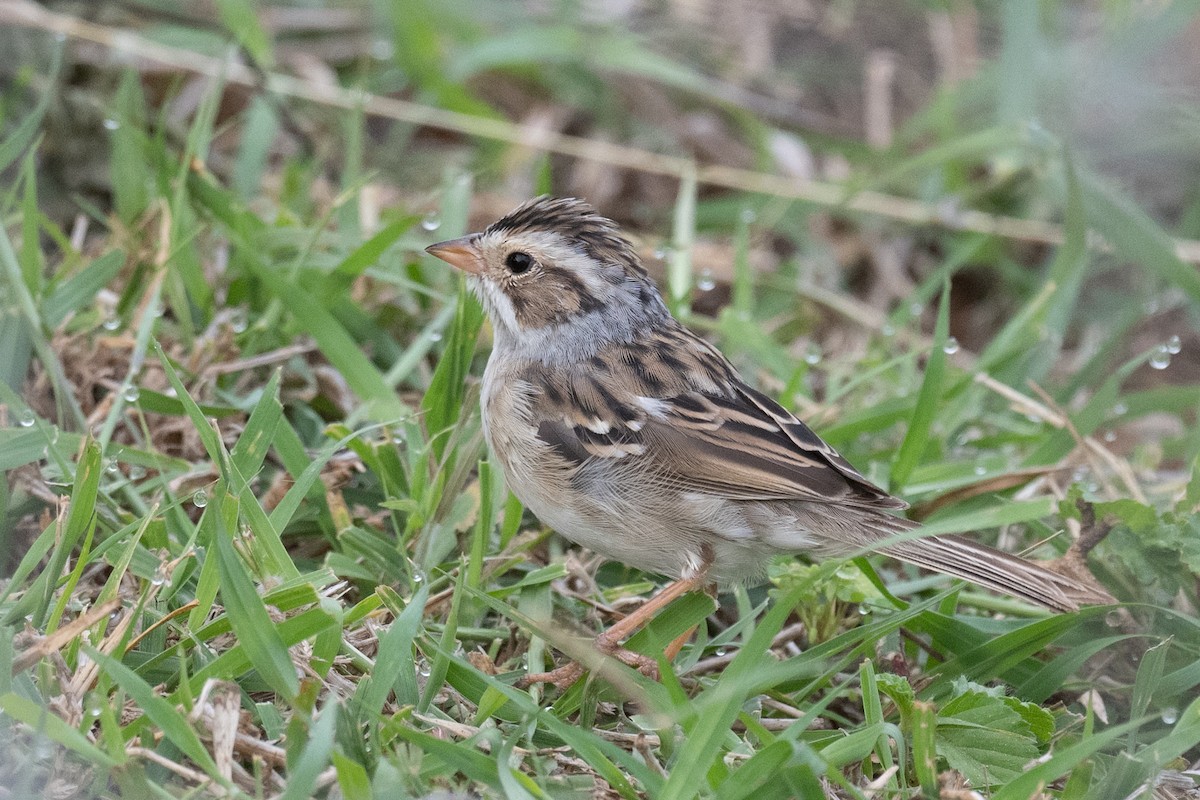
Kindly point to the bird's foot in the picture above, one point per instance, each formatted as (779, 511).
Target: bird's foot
(568, 673)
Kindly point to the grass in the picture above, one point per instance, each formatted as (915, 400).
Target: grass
(255, 546)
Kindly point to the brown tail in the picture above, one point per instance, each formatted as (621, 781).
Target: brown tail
(977, 563)
(998, 570)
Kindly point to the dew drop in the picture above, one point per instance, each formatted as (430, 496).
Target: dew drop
(111, 322)
(1170, 715)
(951, 346)
(749, 216)
(94, 712)
(131, 394)
(110, 466)
(158, 579)
(431, 222)
(721, 652)
(200, 498)
(661, 253)
(980, 469)
(706, 282)
(435, 336)
(1173, 345)
(383, 49)
(1161, 359)
(111, 124)
(1113, 618)
(137, 472)
(888, 329)
(863, 610)
(26, 418)
(813, 356)
(915, 309)
(1120, 409)
(1110, 436)
(417, 577)
(238, 323)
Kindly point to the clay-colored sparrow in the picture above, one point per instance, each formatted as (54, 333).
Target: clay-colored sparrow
(635, 438)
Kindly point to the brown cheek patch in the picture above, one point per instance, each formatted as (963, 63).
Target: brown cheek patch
(552, 296)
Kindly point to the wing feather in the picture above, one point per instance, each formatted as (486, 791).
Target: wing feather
(738, 444)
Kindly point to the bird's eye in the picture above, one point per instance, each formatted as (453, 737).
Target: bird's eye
(518, 262)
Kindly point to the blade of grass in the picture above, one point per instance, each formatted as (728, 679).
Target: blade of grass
(80, 522)
(1038, 777)
(29, 127)
(39, 719)
(314, 757)
(165, 716)
(683, 234)
(916, 438)
(248, 615)
(10, 269)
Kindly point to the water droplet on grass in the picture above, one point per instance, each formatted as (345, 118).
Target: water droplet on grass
(131, 394)
(200, 498)
(383, 49)
(1161, 358)
(431, 222)
(951, 346)
(1170, 715)
(1173, 345)
(26, 418)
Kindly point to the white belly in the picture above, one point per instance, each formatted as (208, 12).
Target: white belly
(624, 515)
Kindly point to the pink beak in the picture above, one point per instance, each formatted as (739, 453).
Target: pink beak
(462, 253)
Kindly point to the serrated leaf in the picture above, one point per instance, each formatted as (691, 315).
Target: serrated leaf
(985, 739)
(898, 689)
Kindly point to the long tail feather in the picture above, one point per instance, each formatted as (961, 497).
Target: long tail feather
(998, 570)
(977, 563)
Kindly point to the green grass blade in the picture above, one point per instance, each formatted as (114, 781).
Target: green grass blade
(916, 439)
(166, 717)
(248, 615)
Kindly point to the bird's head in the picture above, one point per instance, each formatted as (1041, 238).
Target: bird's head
(554, 274)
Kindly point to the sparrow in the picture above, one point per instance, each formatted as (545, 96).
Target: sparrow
(632, 436)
